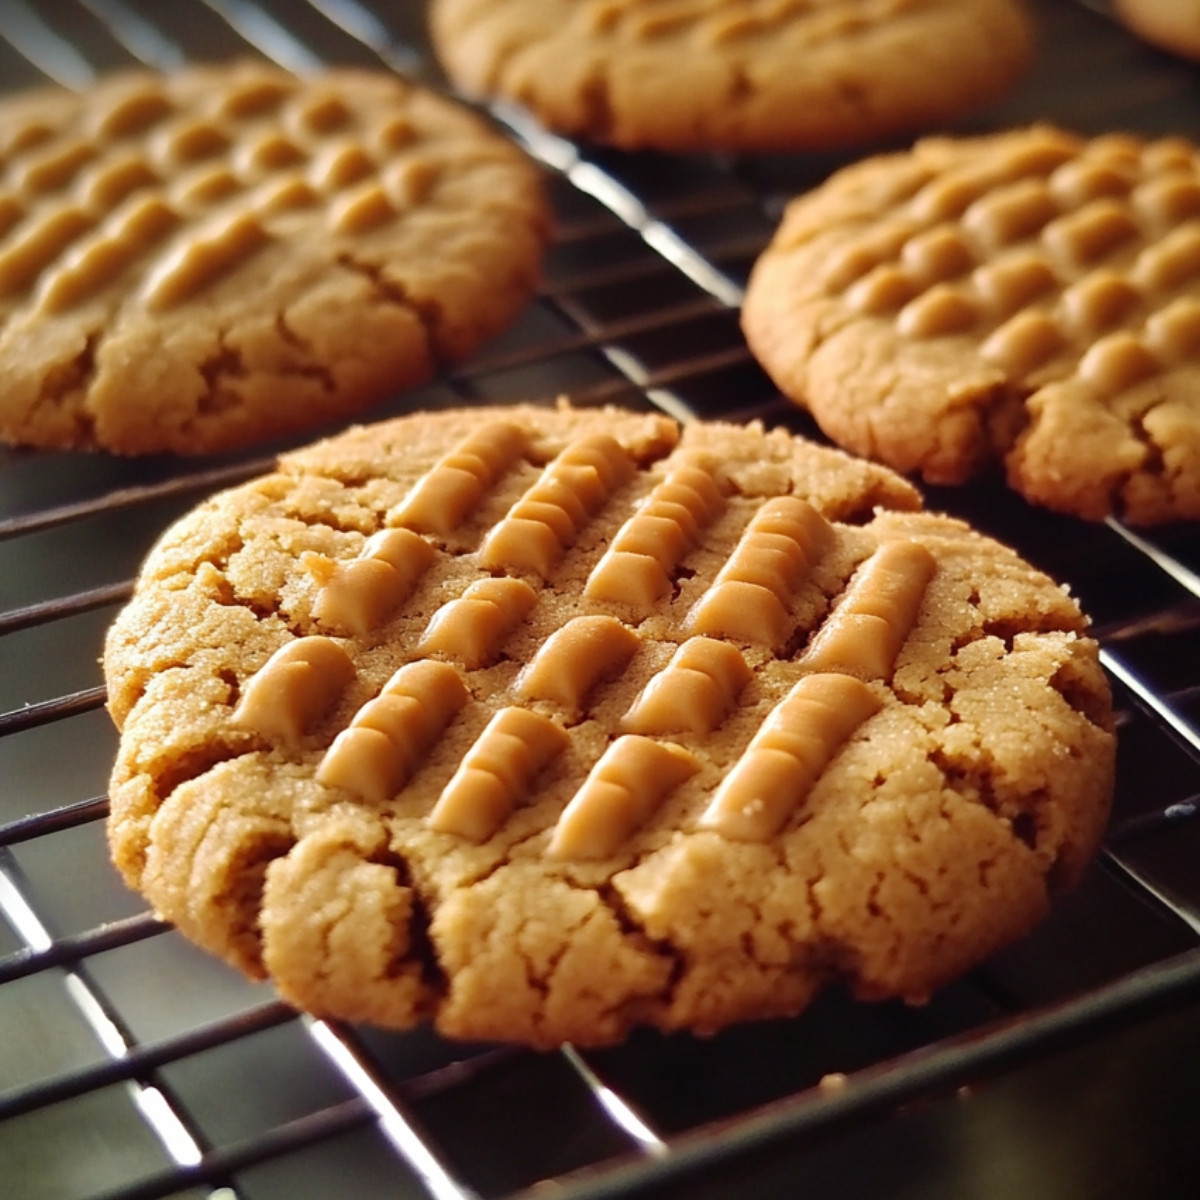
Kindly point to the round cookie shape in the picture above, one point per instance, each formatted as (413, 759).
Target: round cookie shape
(737, 75)
(1030, 298)
(541, 724)
(200, 261)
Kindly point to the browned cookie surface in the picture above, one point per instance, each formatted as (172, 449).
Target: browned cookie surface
(1029, 297)
(541, 724)
(735, 74)
(204, 260)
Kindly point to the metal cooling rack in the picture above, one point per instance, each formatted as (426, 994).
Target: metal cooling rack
(132, 1065)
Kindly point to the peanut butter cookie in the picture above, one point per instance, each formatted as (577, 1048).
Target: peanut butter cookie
(1029, 297)
(541, 724)
(200, 261)
(735, 74)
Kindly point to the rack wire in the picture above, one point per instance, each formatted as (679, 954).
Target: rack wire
(133, 1066)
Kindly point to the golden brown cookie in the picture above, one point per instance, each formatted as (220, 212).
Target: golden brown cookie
(542, 724)
(1173, 25)
(199, 261)
(1029, 297)
(735, 74)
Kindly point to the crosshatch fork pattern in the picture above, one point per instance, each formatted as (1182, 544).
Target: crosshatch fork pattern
(198, 1085)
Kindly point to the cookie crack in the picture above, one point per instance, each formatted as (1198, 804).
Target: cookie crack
(610, 896)
(311, 367)
(390, 291)
(245, 900)
(1082, 695)
(65, 378)
(262, 611)
(977, 786)
(635, 932)
(225, 365)
(191, 764)
(422, 950)
(1006, 416)
(334, 520)
(1007, 628)
(1138, 427)
(66, 385)
(1153, 464)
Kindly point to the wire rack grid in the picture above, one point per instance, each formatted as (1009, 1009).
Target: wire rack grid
(132, 1066)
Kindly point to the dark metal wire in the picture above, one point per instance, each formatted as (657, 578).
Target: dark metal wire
(882, 1088)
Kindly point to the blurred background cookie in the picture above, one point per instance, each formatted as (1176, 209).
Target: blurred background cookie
(198, 261)
(750, 75)
(1172, 24)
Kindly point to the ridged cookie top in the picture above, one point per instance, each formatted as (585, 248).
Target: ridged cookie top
(1043, 286)
(615, 651)
(214, 219)
(735, 74)
(1064, 257)
(751, 601)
